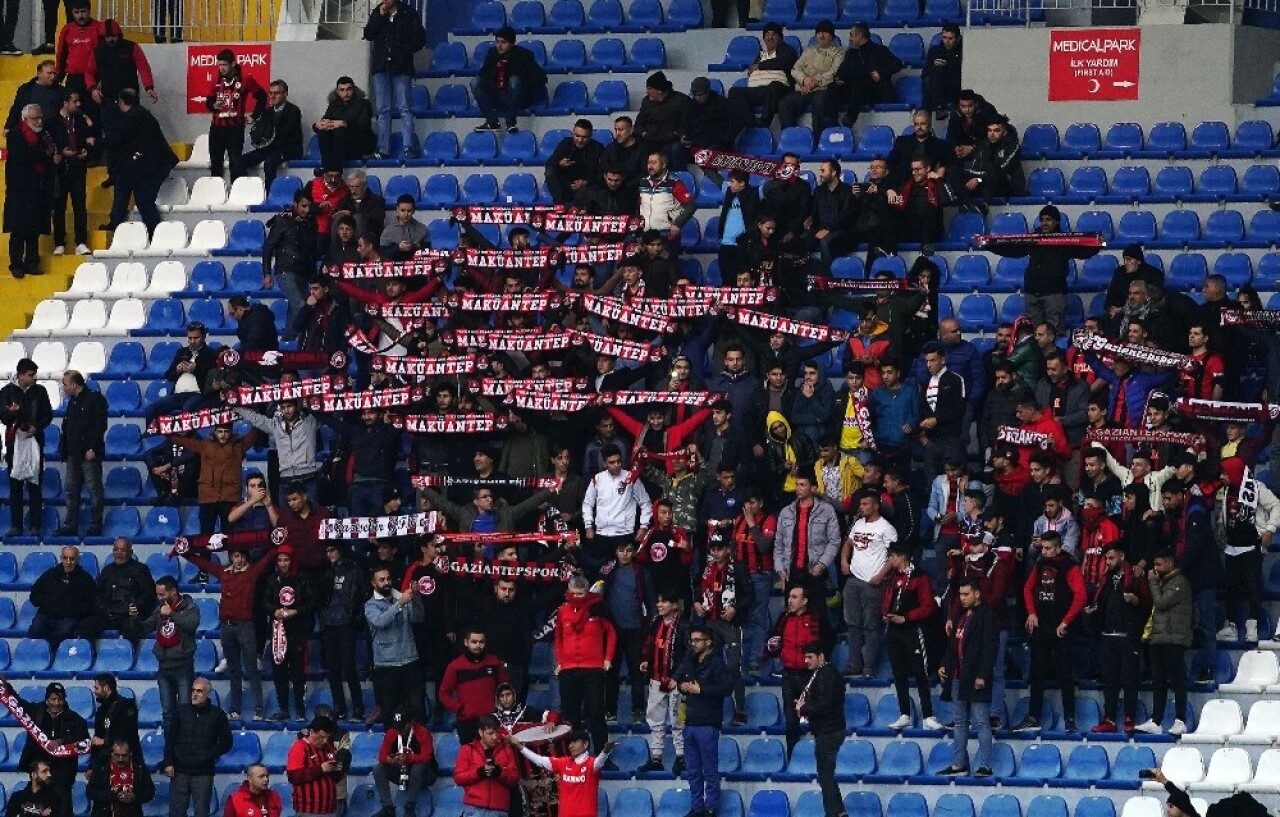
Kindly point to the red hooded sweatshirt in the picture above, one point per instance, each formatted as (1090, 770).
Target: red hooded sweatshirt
(75, 46)
(584, 637)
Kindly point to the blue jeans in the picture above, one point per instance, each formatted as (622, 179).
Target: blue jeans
(505, 104)
(393, 90)
(295, 292)
(1206, 604)
(239, 648)
(979, 714)
(758, 621)
(175, 687)
(702, 767)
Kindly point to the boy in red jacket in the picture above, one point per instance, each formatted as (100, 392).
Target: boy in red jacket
(577, 775)
(486, 770)
(406, 757)
(470, 683)
(255, 797)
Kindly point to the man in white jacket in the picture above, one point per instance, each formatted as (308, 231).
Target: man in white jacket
(609, 510)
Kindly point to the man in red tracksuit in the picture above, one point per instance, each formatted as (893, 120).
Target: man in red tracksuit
(585, 643)
(800, 625)
(906, 605)
(1054, 595)
(404, 758)
(486, 770)
(470, 684)
(228, 101)
(255, 797)
(76, 43)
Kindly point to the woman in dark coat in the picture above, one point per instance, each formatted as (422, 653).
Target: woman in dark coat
(28, 201)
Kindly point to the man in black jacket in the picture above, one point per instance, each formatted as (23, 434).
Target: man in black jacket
(290, 602)
(24, 407)
(1045, 281)
(83, 445)
(321, 323)
(375, 448)
(395, 34)
(116, 718)
(829, 227)
(865, 77)
(145, 160)
(345, 131)
(255, 325)
(994, 167)
(574, 164)
(788, 199)
(662, 115)
(704, 681)
(342, 590)
(921, 143)
(821, 704)
(63, 597)
(123, 583)
(196, 359)
(38, 797)
(289, 253)
(276, 135)
(609, 196)
(119, 782)
(117, 63)
(199, 736)
(625, 153)
(709, 122)
(942, 411)
(969, 667)
(61, 725)
(509, 80)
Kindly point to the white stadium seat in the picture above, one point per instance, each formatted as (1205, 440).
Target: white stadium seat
(199, 154)
(52, 387)
(172, 193)
(1266, 775)
(126, 314)
(10, 353)
(90, 280)
(1257, 670)
(1218, 719)
(1183, 765)
(50, 356)
(127, 279)
(1262, 726)
(88, 357)
(210, 234)
(128, 238)
(50, 316)
(1228, 768)
(167, 277)
(169, 237)
(1143, 807)
(86, 316)
(246, 191)
(206, 193)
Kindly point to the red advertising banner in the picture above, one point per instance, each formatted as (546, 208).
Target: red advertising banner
(202, 67)
(1094, 64)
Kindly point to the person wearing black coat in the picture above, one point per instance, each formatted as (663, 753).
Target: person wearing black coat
(38, 798)
(289, 253)
(574, 164)
(942, 412)
(822, 705)
(609, 196)
(199, 736)
(345, 131)
(1133, 267)
(738, 212)
(941, 72)
(625, 154)
(42, 89)
(969, 667)
(321, 323)
(24, 406)
(83, 448)
(788, 199)
(29, 172)
(116, 717)
(509, 80)
(704, 681)
(709, 122)
(76, 137)
(120, 783)
(145, 160)
(829, 226)
(60, 724)
(921, 143)
(1045, 280)
(661, 118)
(123, 582)
(395, 34)
(865, 77)
(255, 325)
(276, 135)
(117, 63)
(375, 449)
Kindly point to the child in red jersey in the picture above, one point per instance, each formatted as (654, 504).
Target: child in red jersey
(577, 774)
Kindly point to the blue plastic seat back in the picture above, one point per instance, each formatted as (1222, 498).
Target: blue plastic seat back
(453, 99)
(901, 758)
(953, 805)
(611, 95)
(963, 227)
(1040, 761)
(1131, 181)
(478, 147)
(1047, 805)
(440, 147)
(1125, 137)
(798, 140)
(908, 47)
(633, 802)
(1224, 226)
(1095, 806)
(1254, 135)
(779, 11)
(520, 188)
(608, 52)
(1082, 137)
(1167, 137)
(1045, 182)
(403, 184)
(605, 14)
(567, 55)
(1008, 224)
(1039, 139)
(876, 140)
(528, 15)
(742, 50)
(764, 756)
(566, 14)
(1214, 137)
(1260, 181)
(1096, 221)
(1218, 181)
(1174, 181)
(970, 272)
(1001, 805)
(685, 13)
(1264, 225)
(1090, 181)
(762, 709)
(480, 188)
(1088, 762)
(1136, 227)
(1237, 268)
(646, 14)
(907, 803)
(756, 142)
(769, 803)
(1181, 226)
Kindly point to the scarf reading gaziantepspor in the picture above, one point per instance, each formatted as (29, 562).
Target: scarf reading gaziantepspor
(507, 340)
(363, 527)
(1235, 317)
(370, 398)
(531, 400)
(862, 416)
(713, 159)
(479, 423)
(498, 569)
(615, 309)
(1223, 411)
(283, 392)
(1142, 355)
(1142, 435)
(586, 223)
(993, 240)
(191, 420)
(504, 302)
(13, 703)
(230, 358)
(426, 366)
(726, 296)
(1023, 438)
(503, 215)
(421, 267)
(239, 540)
(614, 347)
(777, 323)
(496, 387)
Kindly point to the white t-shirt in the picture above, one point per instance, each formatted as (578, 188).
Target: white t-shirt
(871, 542)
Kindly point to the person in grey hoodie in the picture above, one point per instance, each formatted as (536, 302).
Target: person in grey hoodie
(406, 235)
(391, 614)
(292, 433)
(174, 622)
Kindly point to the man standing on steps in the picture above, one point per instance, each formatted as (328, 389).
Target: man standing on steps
(200, 735)
(395, 34)
(144, 162)
(26, 413)
(228, 101)
(29, 172)
(76, 43)
(116, 64)
(83, 444)
(821, 704)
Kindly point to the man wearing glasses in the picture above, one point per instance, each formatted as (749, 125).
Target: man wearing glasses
(276, 135)
(704, 681)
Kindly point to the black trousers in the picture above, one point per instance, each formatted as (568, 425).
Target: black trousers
(1119, 674)
(51, 19)
(793, 681)
(1243, 584)
(24, 253)
(211, 512)
(1168, 672)
(908, 657)
(1051, 658)
(766, 96)
(825, 748)
(269, 157)
(395, 686)
(720, 12)
(291, 670)
(228, 141)
(630, 644)
(71, 185)
(582, 702)
(338, 650)
(9, 22)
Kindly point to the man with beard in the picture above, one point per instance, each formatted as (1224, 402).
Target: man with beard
(114, 721)
(921, 143)
(123, 583)
(470, 683)
(992, 569)
(120, 783)
(865, 76)
(1122, 604)
(436, 634)
(508, 615)
(972, 658)
(829, 226)
(786, 198)
(61, 725)
(1001, 404)
(38, 798)
(391, 614)
(289, 601)
(1055, 596)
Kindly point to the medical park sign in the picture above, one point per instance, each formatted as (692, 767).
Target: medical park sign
(1094, 64)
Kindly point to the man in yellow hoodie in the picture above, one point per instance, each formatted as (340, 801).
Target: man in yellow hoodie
(786, 453)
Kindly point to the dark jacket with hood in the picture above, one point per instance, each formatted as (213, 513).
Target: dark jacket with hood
(394, 39)
(356, 112)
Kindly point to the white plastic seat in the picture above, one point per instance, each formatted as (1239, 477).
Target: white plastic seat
(1183, 765)
(1228, 768)
(11, 351)
(210, 234)
(50, 357)
(1257, 670)
(246, 191)
(207, 192)
(173, 192)
(1143, 807)
(169, 237)
(90, 280)
(128, 238)
(1218, 719)
(49, 316)
(199, 154)
(86, 316)
(1266, 776)
(126, 279)
(53, 388)
(1262, 726)
(88, 357)
(167, 277)
(127, 314)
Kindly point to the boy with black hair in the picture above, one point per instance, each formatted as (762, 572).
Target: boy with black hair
(907, 604)
(1054, 596)
(665, 642)
(577, 773)
(629, 599)
(1122, 603)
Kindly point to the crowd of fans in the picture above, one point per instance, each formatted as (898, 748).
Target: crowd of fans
(677, 459)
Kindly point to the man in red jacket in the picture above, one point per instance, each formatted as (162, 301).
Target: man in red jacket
(406, 757)
(255, 797)
(800, 625)
(76, 43)
(314, 770)
(486, 770)
(585, 642)
(1031, 417)
(907, 605)
(470, 683)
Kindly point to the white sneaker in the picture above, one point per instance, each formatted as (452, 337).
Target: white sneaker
(59, 250)
(1178, 728)
(222, 666)
(1228, 632)
(1150, 727)
(903, 722)
(83, 249)
(932, 723)
(1251, 630)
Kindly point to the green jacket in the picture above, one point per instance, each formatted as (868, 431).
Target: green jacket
(1171, 610)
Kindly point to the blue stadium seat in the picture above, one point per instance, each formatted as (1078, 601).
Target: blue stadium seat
(764, 757)
(1088, 182)
(783, 12)
(29, 657)
(741, 52)
(1264, 227)
(75, 655)
(1179, 228)
(34, 564)
(630, 753)
(762, 710)
(1211, 138)
(207, 276)
(1011, 308)
(1224, 226)
(1096, 273)
(1166, 139)
(1039, 761)
(419, 103)
(898, 761)
(114, 655)
(246, 238)
(519, 149)
(1001, 805)
(568, 56)
(276, 752)
(876, 140)
(520, 188)
(1253, 138)
(480, 188)
(756, 142)
(971, 272)
(1047, 805)
(608, 53)
(448, 59)
(1039, 141)
(953, 805)
(1086, 764)
(1125, 138)
(245, 750)
(797, 140)
(1080, 139)
(1130, 183)
(1236, 267)
(401, 185)
(1008, 224)
(123, 442)
(122, 484)
(566, 15)
(1217, 182)
(440, 147)
(605, 15)
(1095, 221)
(165, 317)
(910, 91)
(567, 98)
(280, 196)
(453, 100)
(487, 16)
(161, 524)
(816, 11)
(1095, 806)
(963, 227)
(1260, 182)
(1136, 227)
(855, 759)
(527, 17)
(863, 804)
(853, 11)
(124, 398)
(685, 14)
(478, 149)
(647, 54)
(907, 804)
(769, 803)
(246, 276)
(909, 48)
(210, 313)
(127, 359)
(1046, 183)
(900, 12)
(447, 751)
(440, 191)
(633, 802)
(1174, 183)
(610, 96)
(647, 15)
